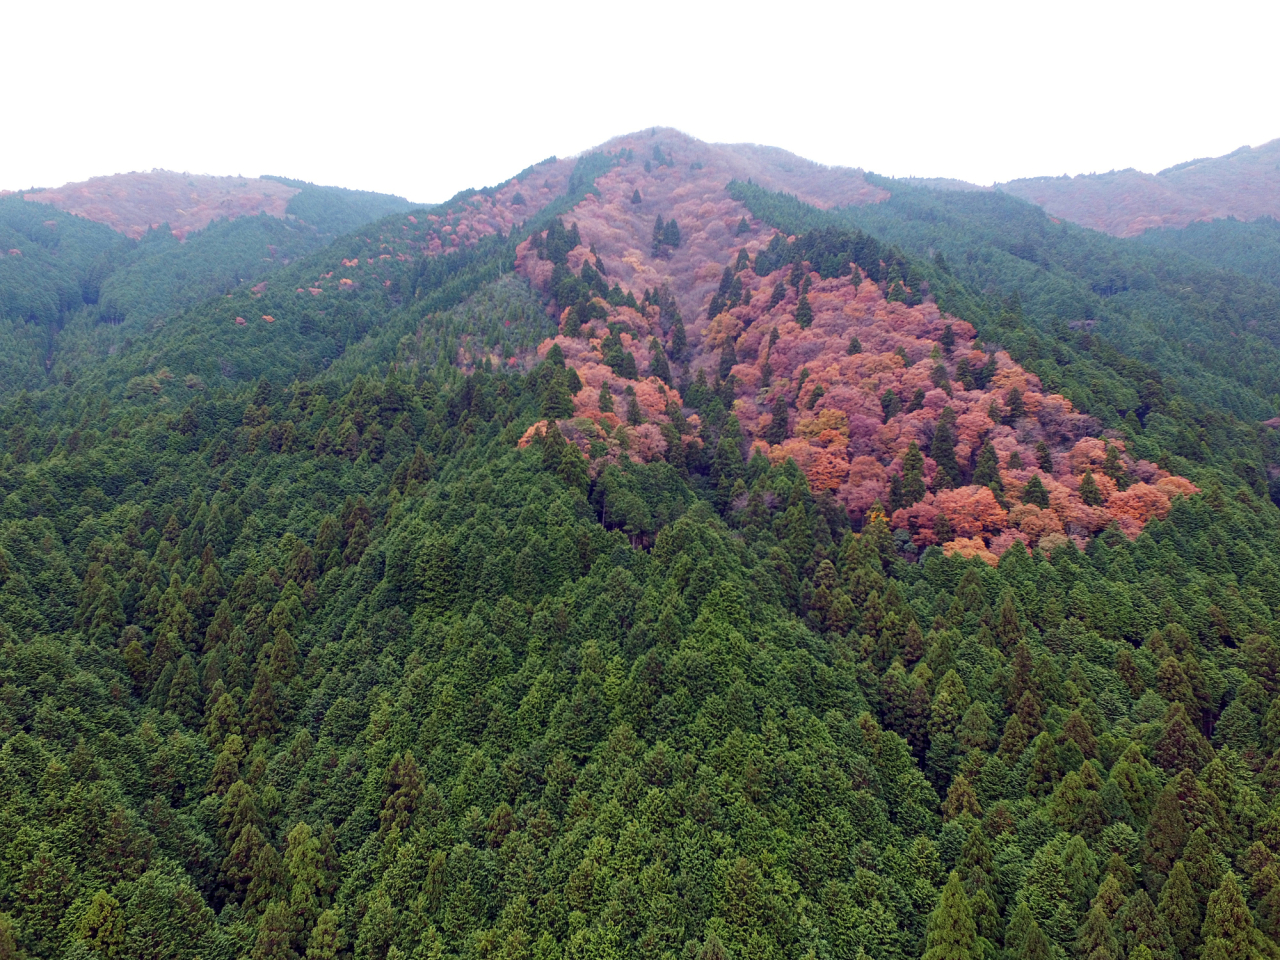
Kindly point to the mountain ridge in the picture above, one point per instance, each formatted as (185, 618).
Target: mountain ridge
(135, 203)
(1244, 184)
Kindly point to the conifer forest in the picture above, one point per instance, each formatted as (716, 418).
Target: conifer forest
(673, 552)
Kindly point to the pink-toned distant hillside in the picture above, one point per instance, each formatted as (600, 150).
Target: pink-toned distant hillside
(133, 203)
(1244, 184)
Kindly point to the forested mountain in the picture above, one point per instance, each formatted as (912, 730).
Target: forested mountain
(1250, 248)
(137, 203)
(1244, 184)
(73, 291)
(678, 551)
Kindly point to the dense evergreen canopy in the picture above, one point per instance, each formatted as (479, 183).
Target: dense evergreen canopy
(312, 657)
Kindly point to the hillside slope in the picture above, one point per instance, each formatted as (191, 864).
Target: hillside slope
(850, 378)
(133, 203)
(73, 290)
(848, 371)
(340, 619)
(1244, 184)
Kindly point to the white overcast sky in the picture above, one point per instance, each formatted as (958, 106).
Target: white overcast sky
(423, 99)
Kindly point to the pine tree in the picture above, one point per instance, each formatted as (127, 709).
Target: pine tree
(1228, 932)
(671, 233)
(1179, 910)
(1200, 857)
(1079, 872)
(961, 799)
(1016, 407)
(776, 432)
(377, 928)
(804, 312)
(728, 358)
(1033, 492)
(1180, 745)
(8, 939)
(728, 465)
(942, 528)
(553, 444)
(1095, 939)
(263, 719)
(557, 401)
(896, 502)
(890, 404)
(1165, 835)
(236, 871)
(1024, 939)
(302, 858)
(573, 468)
(184, 694)
(1089, 491)
(226, 769)
(943, 451)
(327, 940)
(1110, 897)
(913, 489)
(402, 790)
(1009, 627)
(635, 415)
(635, 196)
(712, 948)
(679, 339)
(266, 880)
(974, 731)
(275, 934)
(168, 649)
(1044, 459)
(357, 543)
(951, 933)
(658, 365)
(1114, 469)
(1044, 772)
(1138, 922)
(284, 656)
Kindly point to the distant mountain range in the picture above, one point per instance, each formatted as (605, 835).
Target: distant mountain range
(1244, 185)
(135, 203)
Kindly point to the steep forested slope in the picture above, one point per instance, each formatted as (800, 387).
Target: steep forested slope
(339, 617)
(73, 291)
(1248, 248)
(1180, 315)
